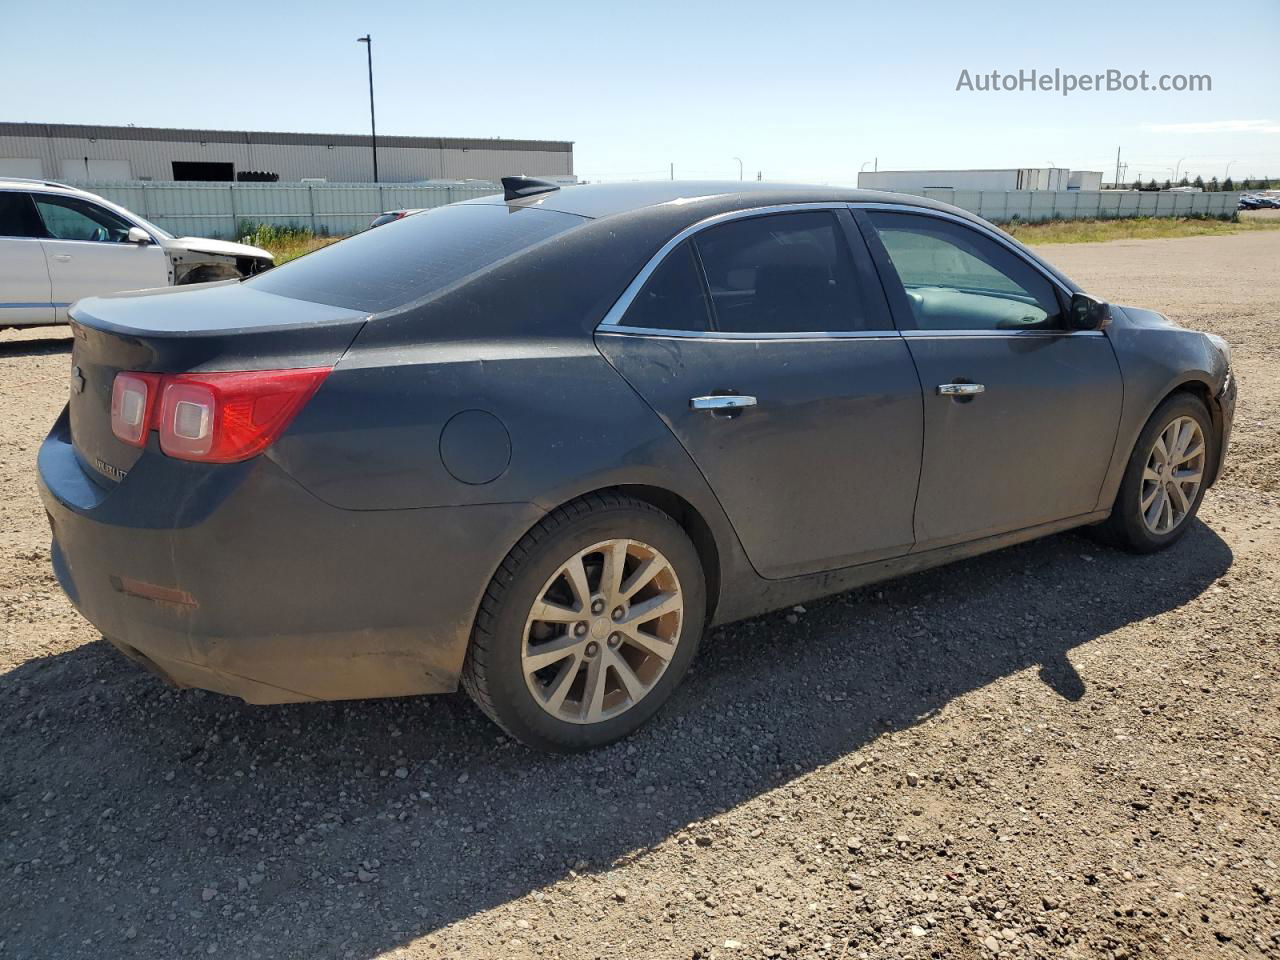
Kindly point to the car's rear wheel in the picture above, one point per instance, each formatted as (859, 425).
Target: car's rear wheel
(588, 625)
(1164, 481)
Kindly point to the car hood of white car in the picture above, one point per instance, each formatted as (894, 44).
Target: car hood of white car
(221, 247)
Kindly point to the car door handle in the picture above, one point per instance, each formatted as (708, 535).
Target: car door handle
(62, 257)
(960, 389)
(726, 402)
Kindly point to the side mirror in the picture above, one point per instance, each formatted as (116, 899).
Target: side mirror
(138, 235)
(1086, 313)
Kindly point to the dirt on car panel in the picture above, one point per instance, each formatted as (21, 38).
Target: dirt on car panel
(1058, 749)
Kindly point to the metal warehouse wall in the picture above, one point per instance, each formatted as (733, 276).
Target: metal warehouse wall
(346, 159)
(221, 209)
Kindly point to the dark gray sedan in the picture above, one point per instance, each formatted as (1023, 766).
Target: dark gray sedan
(536, 443)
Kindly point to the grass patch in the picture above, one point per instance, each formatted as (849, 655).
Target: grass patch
(284, 243)
(1136, 228)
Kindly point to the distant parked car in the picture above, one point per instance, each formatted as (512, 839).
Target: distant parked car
(535, 443)
(58, 244)
(391, 216)
(1271, 202)
(1250, 203)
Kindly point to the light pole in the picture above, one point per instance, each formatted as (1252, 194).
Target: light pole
(1176, 168)
(367, 39)
(1227, 175)
(739, 159)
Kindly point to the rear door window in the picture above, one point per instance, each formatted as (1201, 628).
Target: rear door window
(413, 257)
(782, 273)
(672, 298)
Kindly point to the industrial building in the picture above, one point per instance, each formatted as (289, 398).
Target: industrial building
(75, 152)
(1017, 178)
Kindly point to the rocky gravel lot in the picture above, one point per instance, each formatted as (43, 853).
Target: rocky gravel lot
(1054, 751)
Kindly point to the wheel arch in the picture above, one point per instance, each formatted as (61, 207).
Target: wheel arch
(688, 517)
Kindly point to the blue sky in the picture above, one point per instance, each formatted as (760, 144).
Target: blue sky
(800, 91)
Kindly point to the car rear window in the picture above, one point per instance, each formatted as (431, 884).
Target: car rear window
(413, 257)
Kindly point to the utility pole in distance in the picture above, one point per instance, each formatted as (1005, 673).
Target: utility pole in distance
(1117, 180)
(367, 39)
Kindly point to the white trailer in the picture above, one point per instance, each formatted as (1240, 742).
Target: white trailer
(1015, 178)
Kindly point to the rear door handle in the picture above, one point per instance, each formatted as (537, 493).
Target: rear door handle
(62, 257)
(960, 389)
(729, 402)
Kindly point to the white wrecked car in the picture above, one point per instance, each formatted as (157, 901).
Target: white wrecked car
(58, 244)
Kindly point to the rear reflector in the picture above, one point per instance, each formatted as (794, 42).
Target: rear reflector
(216, 417)
(133, 396)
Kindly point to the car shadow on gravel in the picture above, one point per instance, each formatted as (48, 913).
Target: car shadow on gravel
(37, 347)
(347, 829)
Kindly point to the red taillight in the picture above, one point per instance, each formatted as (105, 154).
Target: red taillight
(133, 398)
(221, 417)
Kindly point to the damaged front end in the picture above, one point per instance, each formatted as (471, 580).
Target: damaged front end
(206, 261)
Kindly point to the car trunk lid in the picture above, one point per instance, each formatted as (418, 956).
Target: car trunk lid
(204, 328)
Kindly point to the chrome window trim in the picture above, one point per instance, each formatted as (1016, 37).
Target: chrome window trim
(613, 319)
(984, 229)
(663, 333)
(1001, 334)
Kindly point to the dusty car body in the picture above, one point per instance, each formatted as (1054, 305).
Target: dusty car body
(59, 244)
(534, 443)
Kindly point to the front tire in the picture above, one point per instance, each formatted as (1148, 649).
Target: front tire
(588, 626)
(1164, 480)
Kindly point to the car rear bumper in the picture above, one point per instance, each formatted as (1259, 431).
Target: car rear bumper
(234, 578)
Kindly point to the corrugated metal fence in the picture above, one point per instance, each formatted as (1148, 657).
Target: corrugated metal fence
(1002, 206)
(219, 209)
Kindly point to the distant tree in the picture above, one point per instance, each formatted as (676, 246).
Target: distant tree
(1137, 185)
(1153, 185)
(1264, 184)
(1167, 185)
(1184, 182)
(1213, 185)
(1198, 182)
(1228, 185)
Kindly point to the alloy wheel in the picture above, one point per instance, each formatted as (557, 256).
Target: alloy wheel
(1172, 476)
(602, 631)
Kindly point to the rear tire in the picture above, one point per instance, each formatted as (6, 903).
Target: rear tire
(1157, 500)
(588, 625)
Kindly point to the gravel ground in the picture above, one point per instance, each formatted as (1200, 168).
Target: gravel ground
(1056, 750)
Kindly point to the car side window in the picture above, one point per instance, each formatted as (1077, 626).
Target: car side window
(18, 215)
(672, 298)
(71, 218)
(957, 279)
(782, 273)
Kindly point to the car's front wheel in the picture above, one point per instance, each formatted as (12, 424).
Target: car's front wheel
(1164, 480)
(588, 625)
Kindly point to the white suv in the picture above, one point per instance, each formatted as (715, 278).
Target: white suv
(58, 244)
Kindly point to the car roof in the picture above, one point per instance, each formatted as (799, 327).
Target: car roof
(595, 200)
(26, 183)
